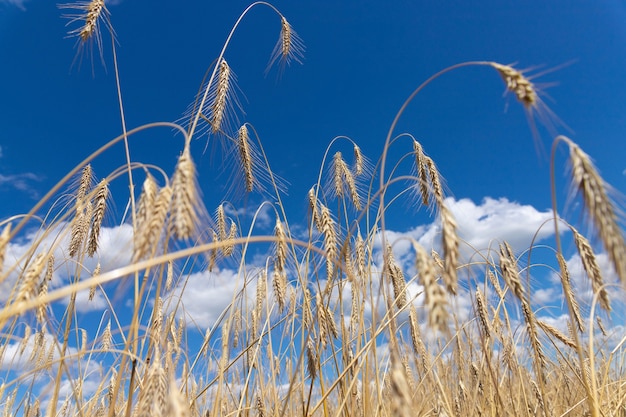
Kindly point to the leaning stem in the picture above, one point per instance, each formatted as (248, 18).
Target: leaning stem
(591, 398)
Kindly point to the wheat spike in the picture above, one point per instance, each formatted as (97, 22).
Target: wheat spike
(80, 228)
(599, 207)
(592, 269)
(566, 340)
(147, 200)
(481, 308)
(330, 239)
(422, 172)
(185, 200)
(245, 153)
(569, 292)
(101, 201)
(279, 283)
(107, 337)
(435, 179)
(4, 243)
(397, 279)
(149, 236)
(518, 84)
(450, 243)
(510, 273)
(358, 161)
(29, 283)
(219, 106)
(289, 47)
(435, 295)
(152, 398)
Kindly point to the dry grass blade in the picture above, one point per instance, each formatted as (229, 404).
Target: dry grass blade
(185, 201)
(595, 193)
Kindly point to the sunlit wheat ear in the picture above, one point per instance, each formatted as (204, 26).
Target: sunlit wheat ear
(422, 172)
(98, 215)
(343, 178)
(590, 264)
(147, 198)
(358, 161)
(328, 230)
(4, 243)
(569, 292)
(152, 398)
(186, 203)
(28, 286)
(148, 237)
(90, 15)
(243, 142)
(219, 105)
(261, 293)
(518, 84)
(435, 179)
(599, 208)
(80, 228)
(107, 337)
(359, 249)
(288, 49)
(315, 214)
(401, 397)
(397, 279)
(436, 301)
(549, 329)
(450, 243)
(419, 348)
(510, 273)
(483, 316)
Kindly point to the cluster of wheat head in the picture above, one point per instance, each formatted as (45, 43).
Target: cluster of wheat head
(323, 317)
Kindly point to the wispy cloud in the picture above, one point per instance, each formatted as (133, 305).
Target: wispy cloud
(17, 3)
(21, 182)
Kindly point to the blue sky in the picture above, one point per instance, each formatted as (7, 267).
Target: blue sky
(362, 60)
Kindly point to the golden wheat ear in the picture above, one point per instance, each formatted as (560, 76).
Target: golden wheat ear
(289, 48)
(91, 15)
(599, 207)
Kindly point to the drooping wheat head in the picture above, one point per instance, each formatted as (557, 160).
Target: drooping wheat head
(601, 211)
(101, 201)
(590, 265)
(245, 153)
(518, 84)
(289, 47)
(186, 202)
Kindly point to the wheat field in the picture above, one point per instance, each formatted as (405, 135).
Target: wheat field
(320, 317)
